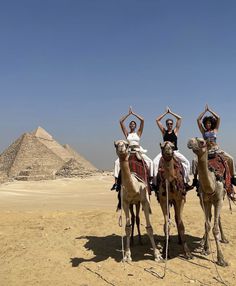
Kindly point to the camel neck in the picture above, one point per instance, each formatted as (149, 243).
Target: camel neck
(205, 176)
(169, 169)
(126, 178)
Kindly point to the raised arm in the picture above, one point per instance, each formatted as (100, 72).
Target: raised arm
(178, 121)
(199, 120)
(141, 125)
(217, 117)
(122, 125)
(158, 121)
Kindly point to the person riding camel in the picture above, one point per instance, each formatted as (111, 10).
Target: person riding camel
(133, 139)
(209, 126)
(171, 134)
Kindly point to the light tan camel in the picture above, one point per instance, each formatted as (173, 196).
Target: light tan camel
(172, 186)
(212, 193)
(133, 191)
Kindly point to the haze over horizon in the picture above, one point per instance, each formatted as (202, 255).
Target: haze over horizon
(75, 67)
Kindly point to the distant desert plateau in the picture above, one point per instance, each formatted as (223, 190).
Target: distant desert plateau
(65, 232)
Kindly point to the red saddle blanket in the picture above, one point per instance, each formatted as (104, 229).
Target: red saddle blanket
(178, 182)
(220, 167)
(139, 168)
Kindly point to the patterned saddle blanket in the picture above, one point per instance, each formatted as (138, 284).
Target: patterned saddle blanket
(220, 167)
(140, 169)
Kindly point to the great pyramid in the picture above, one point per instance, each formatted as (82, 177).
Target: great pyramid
(37, 156)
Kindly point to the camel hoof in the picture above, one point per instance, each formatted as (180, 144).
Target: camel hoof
(224, 241)
(205, 252)
(188, 256)
(222, 262)
(127, 259)
(158, 258)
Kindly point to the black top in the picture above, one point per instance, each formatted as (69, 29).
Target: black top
(170, 137)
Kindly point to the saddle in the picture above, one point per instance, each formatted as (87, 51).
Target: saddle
(139, 168)
(218, 164)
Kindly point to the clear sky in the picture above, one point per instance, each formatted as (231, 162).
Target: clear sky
(74, 67)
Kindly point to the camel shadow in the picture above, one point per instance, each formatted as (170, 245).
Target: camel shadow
(110, 246)
(176, 249)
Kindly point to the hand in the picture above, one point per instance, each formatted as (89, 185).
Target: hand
(206, 107)
(130, 110)
(167, 109)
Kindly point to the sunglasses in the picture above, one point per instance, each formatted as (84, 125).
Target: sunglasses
(170, 123)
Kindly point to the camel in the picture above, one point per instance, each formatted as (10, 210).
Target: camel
(172, 185)
(133, 191)
(212, 193)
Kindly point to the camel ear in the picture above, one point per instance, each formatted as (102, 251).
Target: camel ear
(115, 143)
(161, 145)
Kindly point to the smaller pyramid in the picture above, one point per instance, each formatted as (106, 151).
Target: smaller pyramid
(41, 133)
(73, 168)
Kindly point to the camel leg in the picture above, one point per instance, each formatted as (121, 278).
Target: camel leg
(203, 240)
(128, 227)
(207, 211)
(165, 251)
(138, 223)
(179, 237)
(131, 208)
(223, 238)
(216, 232)
(146, 209)
(178, 206)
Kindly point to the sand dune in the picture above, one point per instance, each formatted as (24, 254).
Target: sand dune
(66, 232)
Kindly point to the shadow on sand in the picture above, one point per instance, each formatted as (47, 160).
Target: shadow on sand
(111, 247)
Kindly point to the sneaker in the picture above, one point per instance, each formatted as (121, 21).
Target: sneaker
(195, 183)
(188, 187)
(114, 187)
(118, 187)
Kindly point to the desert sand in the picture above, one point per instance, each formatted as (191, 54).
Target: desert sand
(66, 232)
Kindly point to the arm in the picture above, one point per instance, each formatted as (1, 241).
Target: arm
(140, 130)
(122, 125)
(178, 121)
(217, 117)
(158, 121)
(199, 120)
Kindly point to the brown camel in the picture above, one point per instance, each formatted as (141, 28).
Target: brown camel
(133, 191)
(212, 193)
(171, 180)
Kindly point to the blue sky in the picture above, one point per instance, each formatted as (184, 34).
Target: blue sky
(75, 67)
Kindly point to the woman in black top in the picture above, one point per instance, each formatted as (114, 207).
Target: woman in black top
(171, 134)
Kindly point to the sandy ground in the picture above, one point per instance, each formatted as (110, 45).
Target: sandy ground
(66, 232)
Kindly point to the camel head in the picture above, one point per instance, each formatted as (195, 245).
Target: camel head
(121, 148)
(167, 150)
(198, 145)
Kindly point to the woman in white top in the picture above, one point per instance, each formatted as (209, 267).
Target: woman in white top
(133, 138)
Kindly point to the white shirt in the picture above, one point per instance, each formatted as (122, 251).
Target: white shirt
(134, 139)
